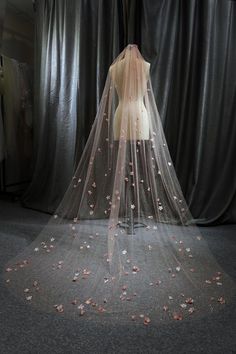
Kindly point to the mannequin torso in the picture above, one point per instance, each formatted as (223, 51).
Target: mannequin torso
(131, 106)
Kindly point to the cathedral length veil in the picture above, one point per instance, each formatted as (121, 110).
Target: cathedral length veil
(122, 244)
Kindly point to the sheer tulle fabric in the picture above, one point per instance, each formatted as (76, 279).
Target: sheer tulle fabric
(122, 243)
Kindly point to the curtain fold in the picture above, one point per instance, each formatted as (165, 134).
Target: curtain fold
(75, 43)
(190, 45)
(2, 138)
(2, 14)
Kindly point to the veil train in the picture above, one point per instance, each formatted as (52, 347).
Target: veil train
(122, 244)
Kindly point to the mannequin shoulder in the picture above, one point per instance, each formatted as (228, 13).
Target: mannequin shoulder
(114, 66)
(147, 65)
(115, 69)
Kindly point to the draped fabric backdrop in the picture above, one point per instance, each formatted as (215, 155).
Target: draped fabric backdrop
(2, 13)
(191, 47)
(2, 140)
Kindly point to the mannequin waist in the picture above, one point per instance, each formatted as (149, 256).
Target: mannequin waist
(131, 107)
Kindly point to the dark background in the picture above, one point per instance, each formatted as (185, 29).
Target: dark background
(191, 47)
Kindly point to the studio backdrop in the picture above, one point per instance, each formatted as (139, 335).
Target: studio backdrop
(191, 47)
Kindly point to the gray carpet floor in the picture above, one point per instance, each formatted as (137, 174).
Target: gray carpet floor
(25, 331)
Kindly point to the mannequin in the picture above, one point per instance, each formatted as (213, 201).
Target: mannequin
(132, 111)
(132, 107)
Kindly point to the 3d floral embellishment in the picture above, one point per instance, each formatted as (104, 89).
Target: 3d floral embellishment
(81, 308)
(146, 320)
(191, 310)
(135, 269)
(101, 309)
(59, 308)
(86, 273)
(189, 301)
(183, 306)
(89, 301)
(8, 269)
(29, 298)
(221, 300)
(177, 316)
(23, 263)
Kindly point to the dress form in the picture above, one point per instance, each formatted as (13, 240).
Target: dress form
(131, 106)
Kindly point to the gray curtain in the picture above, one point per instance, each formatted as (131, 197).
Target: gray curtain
(75, 43)
(2, 138)
(2, 14)
(190, 44)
